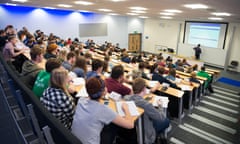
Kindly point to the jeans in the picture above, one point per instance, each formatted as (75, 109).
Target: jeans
(160, 126)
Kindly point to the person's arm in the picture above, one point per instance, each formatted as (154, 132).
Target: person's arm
(127, 121)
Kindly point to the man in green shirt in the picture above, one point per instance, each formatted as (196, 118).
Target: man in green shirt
(208, 83)
(43, 77)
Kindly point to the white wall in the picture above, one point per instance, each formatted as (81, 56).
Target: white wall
(167, 32)
(65, 23)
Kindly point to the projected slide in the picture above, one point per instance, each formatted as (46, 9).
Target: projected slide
(207, 34)
(210, 35)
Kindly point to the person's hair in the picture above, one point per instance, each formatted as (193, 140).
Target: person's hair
(161, 70)
(62, 55)
(106, 58)
(81, 63)
(35, 51)
(141, 65)
(172, 72)
(95, 87)
(134, 59)
(203, 68)
(10, 37)
(88, 55)
(70, 55)
(51, 47)
(117, 71)
(96, 63)
(58, 79)
(52, 64)
(195, 67)
(198, 45)
(193, 74)
(138, 85)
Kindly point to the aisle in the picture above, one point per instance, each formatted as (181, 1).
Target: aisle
(213, 121)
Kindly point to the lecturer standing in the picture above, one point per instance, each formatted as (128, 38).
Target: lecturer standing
(198, 51)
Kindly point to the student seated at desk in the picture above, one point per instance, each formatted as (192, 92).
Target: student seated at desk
(154, 120)
(71, 59)
(56, 98)
(158, 76)
(80, 67)
(97, 67)
(208, 83)
(91, 116)
(140, 72)
(43, 77)
(171, 75)
(115, 82)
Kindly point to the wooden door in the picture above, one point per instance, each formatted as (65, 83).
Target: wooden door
(135, 42)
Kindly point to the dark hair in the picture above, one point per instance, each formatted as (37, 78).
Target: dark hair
(95, 87)
(141, 65)
(96, 63)
(88, 55)
(51, 64)
(172, 72)
(70, 55)
(117, 71)
(203, 68)
(138, 85)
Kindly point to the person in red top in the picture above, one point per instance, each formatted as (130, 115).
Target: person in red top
(115, 82)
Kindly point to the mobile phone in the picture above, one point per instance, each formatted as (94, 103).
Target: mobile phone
(106, 102)
(148, 98)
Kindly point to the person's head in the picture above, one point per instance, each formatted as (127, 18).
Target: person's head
(71, 57)
(193, 75)
(95, 87)
(81, 63)
(52, 48)
(203, 68)
(97, 65)
(62, 55)
(139, 86)
(36, 53)
(52, 64)
(12, 39)
(141, 65)
(195, 67)
(21, 35)
(117, 72)
(172, 72)
(59, 79)
(161, 70)
(198, 45)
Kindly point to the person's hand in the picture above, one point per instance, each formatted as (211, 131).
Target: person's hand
(125, 107)
(157, 86)
(159, 102)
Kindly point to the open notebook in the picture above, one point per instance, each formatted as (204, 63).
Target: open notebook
(164, 101)
(131, 106)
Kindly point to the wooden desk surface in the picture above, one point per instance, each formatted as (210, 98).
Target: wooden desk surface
(112, 105)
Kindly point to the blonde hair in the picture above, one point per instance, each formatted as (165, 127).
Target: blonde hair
(58, 79)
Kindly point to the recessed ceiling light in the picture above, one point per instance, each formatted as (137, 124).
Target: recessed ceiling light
(221, 14)
(105, 10)
(49, 7)
(138, 8)
(84, 11)
(215, 18)
(166, 17)
(196, 6)
(64, 5)
(118, 0)
(143, 17)
(10, 4)
(133, 14)
(138, 11)
(165, 13)
(83, 2)
(113, 14)
(172, 11)
(19, 1)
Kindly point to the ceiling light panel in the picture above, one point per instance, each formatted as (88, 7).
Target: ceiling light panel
(138, 11)
(166, 17)
(196, 6)
(19, 1)
(138, 8)
(221, 14)
(83, 3)
(167, 13)
(64, 5)
(105, 10)
(215, 18)
(172, 11)
(133, 14)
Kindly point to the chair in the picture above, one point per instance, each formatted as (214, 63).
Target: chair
(233, 66)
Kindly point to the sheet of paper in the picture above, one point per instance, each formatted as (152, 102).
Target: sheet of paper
(82, 92)
(185, 87)
(164, 101)
(131, 106)
(152, 83)
(78, 81)
(115, 96)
